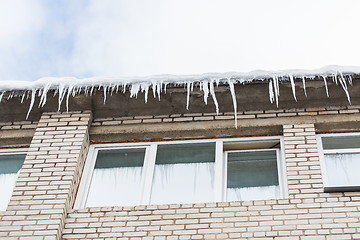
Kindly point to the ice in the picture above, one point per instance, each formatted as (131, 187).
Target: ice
(68, 87)
(187, 95)
(233, 96)
(292, 86)
(212, 92)
(304, 86)
(326, 87)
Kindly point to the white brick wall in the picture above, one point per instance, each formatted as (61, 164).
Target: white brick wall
(302, 161)
(41, 204)
(48, 180)
(308, 213)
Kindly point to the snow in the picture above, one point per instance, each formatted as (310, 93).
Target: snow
(67, 87)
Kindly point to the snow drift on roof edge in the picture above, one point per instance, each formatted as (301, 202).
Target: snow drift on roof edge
(70, 86)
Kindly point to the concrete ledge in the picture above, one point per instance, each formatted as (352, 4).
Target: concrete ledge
(15, 138)
(221, 128)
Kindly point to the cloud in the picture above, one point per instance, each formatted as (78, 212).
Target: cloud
(141, 37)
(138, 37)
(20, 22)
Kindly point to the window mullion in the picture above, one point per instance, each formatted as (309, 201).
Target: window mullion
(148, 173)
(87, 174)
(322, 161)
(225, 175)
(219, 172)
(280, 173)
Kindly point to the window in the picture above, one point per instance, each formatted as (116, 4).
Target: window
(10, 164)
(182, 172)
(340, 161)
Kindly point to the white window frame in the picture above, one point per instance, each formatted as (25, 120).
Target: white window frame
(225, 162)
(322, 152)
(14, 151)
(150, 158)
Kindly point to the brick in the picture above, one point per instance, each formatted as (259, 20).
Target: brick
(183, 119)
(205, 118)
(225, 117)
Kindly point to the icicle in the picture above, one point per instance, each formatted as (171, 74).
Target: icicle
(350, 80)
(187, 95)
(335, 79)
(292, 86)
(154, 86)
(62, 92)
(86, 91)
(76, 91)
(159, 90)
(23, 97)
(44, 95)
(271, 91)
(134, 90)
(67, 97)
(92, 90)
(33, 95)
(112, 89)
(105, 93)
(10, 95)
(304, 87)
(276, 90)
(212, 92)
(146, 93)
(344, 86)
(326, 87)
(233, 96)
(1, 96)
(206, 91)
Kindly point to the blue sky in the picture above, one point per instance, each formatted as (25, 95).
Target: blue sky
(41, 38)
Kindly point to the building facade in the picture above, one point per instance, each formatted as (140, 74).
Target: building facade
(286, 172)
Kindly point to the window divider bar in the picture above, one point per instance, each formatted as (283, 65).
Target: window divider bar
(86, 177)
(147, 176)
(322, 161)
(219, 172)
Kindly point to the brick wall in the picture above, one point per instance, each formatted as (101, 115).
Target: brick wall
(191, 117)
(328, 216)
(18, 125)
(41, 206)
(308, 213)
(46, 186)
(302, 161)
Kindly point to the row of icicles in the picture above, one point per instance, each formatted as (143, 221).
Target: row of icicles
(65, 90)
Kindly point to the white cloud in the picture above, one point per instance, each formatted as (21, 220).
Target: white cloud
(139, 37)
(19, 18)
(20, 22)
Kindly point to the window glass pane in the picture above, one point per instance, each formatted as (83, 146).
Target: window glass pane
(252, 175)
(184, 173)
(9, 166)
(116, 178)
(343, 169)
(343, 142)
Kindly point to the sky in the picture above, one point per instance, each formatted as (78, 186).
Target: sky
(88, 38)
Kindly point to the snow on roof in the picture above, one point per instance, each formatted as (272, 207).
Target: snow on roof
(70, 86)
